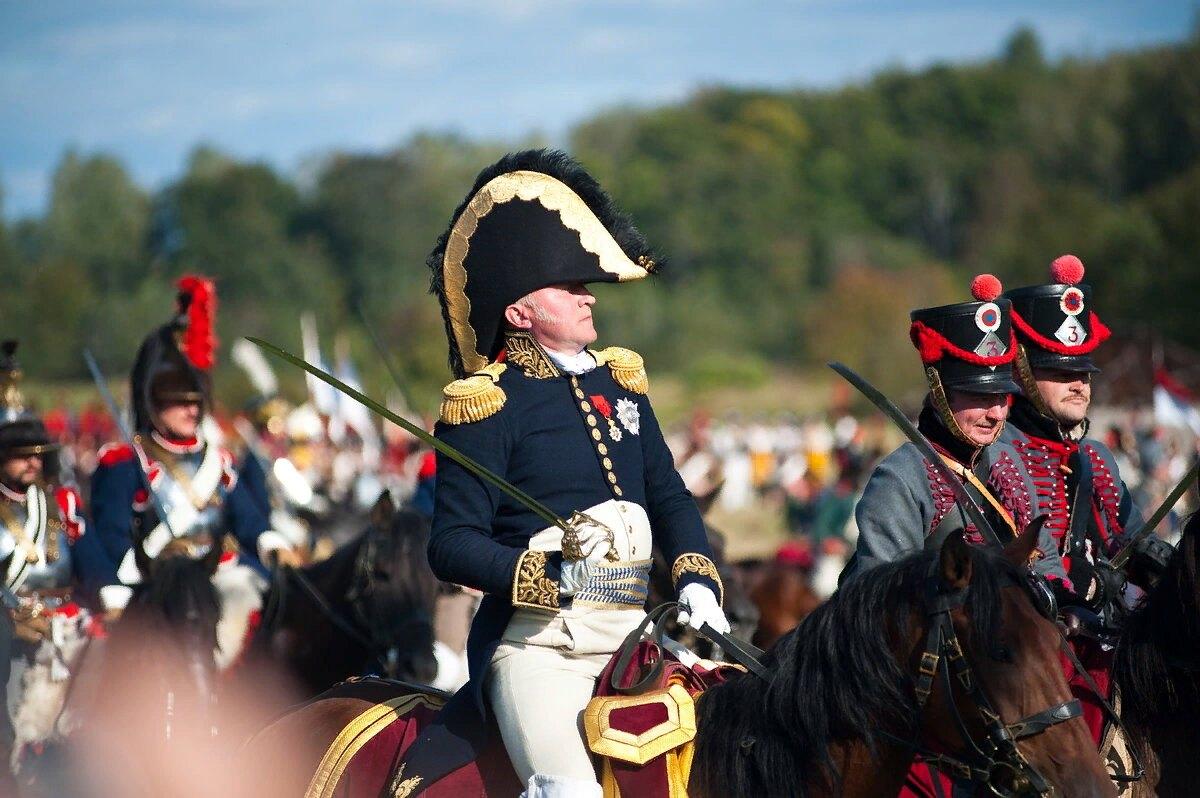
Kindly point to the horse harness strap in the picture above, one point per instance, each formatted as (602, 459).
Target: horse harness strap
(943, 655)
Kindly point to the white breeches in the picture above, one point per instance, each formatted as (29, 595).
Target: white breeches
(538, 695)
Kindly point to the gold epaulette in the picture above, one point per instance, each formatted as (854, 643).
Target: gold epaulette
(627, 366)
(474, 398)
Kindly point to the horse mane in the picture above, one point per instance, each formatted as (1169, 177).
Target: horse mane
(1161, 632)
(178, 591)
(834, 679)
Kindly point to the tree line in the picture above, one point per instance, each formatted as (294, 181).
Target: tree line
(797, 225)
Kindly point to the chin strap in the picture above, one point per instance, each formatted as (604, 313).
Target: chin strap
(941, 403)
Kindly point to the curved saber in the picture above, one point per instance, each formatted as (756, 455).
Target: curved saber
(889, 409)
(543, 512)
(1122, 556)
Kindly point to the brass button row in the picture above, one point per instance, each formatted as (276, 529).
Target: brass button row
(590, 418)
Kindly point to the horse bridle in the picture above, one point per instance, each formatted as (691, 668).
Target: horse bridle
(361, 587)
(997, 763)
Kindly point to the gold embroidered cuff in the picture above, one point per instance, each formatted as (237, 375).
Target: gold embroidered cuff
(531, 587)
(701, 566)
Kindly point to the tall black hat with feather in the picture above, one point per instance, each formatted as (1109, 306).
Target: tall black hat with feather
(173, 362)
(533, 219)
(22, 433)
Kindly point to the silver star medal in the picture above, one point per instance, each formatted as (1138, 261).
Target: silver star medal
(628, 415)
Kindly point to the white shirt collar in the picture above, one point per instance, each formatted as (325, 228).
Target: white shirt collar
(580, 363)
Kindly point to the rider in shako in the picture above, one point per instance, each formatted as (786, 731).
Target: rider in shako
(573, 428)
(967, 350)
(41, 526)
(195, 481)
(1071, 478)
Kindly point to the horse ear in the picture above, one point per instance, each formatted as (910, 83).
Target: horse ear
(383, 511)
(1020, 549)
(955, 561)
(212, 557)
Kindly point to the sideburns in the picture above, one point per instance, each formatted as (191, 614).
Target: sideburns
(539, 312)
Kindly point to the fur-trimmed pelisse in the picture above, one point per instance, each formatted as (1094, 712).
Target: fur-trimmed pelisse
(526, 248)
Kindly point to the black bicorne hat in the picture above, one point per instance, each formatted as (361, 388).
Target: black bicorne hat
(533, 219)
(1055, 323)
(968, 346)
(22, 433)
(173, 362)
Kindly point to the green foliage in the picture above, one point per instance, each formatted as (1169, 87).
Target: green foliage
(797, 226)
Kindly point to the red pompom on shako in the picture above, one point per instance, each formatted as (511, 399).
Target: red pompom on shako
(986, 287)
(1066, 270)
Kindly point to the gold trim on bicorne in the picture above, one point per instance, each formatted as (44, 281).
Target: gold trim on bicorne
(1028, 382)
(701, 566)
(474, 398)
(358, 733)
(531, 587)
(551, 194)
(673, 737)
(521, 350)
(627, 367)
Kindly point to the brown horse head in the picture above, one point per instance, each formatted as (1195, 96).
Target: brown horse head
(1013, 653)
(842, 710)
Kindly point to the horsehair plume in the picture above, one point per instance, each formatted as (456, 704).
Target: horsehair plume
(565, 169)
(986, 287)
(1066, 270)
(198, 298)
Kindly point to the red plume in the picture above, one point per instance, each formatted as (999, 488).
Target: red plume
(200, 338)
(986, 287)
(1066, 270)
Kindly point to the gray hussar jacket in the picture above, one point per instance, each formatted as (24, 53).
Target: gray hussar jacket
(907, 505)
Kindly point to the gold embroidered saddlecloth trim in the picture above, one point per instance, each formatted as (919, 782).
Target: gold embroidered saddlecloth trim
(474, 398)
(701, 566)
(358, 733)
(674, 739)
(531, 587)
(553, 195)
(521, 350)
(627, 367)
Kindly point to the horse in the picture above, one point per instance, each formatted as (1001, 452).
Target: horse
(1157, 673)
(150, 693)
(839, 711)
(369, 607)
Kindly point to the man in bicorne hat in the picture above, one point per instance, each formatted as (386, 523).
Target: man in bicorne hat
(967, 350)
(41, 532)
(573, 428)
(194, 480)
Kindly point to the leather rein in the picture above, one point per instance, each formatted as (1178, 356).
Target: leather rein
(996, 762)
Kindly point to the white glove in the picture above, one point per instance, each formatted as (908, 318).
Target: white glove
(593, 541)
(700, 606)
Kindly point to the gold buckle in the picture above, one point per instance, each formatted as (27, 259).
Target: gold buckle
(929, 663)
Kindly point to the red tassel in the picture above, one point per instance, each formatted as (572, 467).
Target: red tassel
(200, 338)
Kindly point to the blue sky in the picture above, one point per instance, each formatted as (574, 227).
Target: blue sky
(285, 81)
